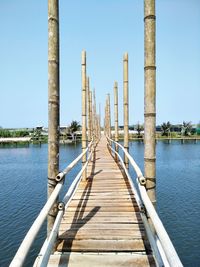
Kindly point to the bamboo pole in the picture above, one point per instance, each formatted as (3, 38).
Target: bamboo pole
(84, 120)
(94, 117)
(150, 100)
(53, 104)
(88, 111)
(100, 118)
(126, 109)
(91, 116)
(116, 117)
(109, 117)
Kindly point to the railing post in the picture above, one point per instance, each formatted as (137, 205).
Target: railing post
(150, 100)
(116, 117)
(126, 109)
(84, 123)
(53, 103)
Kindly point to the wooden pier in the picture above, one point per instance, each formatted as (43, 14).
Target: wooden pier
(102, 225)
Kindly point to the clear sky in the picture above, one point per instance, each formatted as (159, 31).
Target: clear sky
(105, 29)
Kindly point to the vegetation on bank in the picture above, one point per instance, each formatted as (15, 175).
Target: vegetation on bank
(72, 132)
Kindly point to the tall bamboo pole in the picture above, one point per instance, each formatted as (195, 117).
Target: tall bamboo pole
(100, 118)
(88, 110)
(116, 116)
(53, 103)
(84, 120)
(94, 116)
(109, 117)
(126, 109)
(91, 116)
(150, 99)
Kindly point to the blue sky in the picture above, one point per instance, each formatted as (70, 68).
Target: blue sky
(105, 29)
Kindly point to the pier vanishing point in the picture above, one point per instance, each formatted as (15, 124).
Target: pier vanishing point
(107, 217)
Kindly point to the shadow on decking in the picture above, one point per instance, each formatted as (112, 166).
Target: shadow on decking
(78, 219)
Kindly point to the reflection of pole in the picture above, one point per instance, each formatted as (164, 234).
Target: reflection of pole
(53, 103)
(126, 113)
(116, 117)
(84, 123)
(149, 104)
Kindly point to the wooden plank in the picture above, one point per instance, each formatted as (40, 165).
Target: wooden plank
(100, 260)
(100, 236)
(103, 213)
(101, 245)
(96, 219)
(117, 226)
(102, 232)
(106, 207)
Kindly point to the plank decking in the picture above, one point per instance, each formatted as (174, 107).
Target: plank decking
(102, 225)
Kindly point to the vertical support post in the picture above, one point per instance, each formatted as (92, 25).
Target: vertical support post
(109, 118)
(150, 99)
(91, 116)
(116, 117)
(53, 104)
(84, 123)
(99, 120)
(94, 117)
(126, 109)
(88, 111)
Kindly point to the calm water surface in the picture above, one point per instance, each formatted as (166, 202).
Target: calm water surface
(23, 177)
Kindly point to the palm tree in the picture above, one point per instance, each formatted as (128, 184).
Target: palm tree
(73, 128)
(166, 127)
(186, 128)
(139, 128)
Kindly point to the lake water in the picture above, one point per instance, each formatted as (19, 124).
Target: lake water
(23, 177)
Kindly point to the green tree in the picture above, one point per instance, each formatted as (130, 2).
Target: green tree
(166, 128)
(73, 128)
(186, 128)
(139, 128)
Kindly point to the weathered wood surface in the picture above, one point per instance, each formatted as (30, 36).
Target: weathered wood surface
(102, 225)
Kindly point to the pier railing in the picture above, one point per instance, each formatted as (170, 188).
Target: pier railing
(161, 244)
(31, 235)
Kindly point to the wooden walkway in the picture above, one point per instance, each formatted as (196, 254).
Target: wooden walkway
(102, 225)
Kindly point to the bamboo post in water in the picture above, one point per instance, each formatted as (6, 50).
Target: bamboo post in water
(116, 117)
(84, 99)
(150, 99)
(53, 103)
(126, 109)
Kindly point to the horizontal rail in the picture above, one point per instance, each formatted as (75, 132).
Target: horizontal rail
(23, 250)
(61, 175)
(163, 237)
(47, 247)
